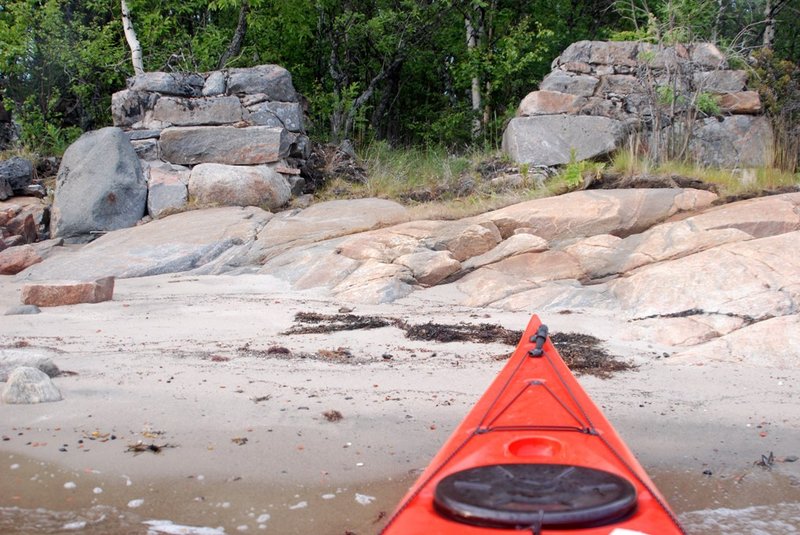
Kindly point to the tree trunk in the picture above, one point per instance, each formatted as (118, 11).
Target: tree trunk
(472, 45)
(771, 10)
(769, 25)
(133, 42)
(379, 120)
(235, 46)
(367, 94)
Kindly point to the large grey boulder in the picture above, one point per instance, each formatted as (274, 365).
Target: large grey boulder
(224, 144)
(555, 139)
(176, 243)
(734, 141)
(29, 385)
(15, 174)
(237, 185)
(100, 186)
(271, 80)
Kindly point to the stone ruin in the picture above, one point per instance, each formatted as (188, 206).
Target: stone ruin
(235, 124)
(184, 140)
(599, 94)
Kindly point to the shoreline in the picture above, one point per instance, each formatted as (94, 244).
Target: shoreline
(182, 360)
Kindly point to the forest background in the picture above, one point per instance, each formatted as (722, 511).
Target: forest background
(445, 73)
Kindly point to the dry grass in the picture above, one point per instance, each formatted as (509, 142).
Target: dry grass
(729, 182)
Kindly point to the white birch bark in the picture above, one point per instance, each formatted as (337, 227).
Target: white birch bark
(472, 43)
(133, 42)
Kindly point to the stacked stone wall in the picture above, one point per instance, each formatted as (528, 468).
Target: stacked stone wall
(625, 84)
(249, 120)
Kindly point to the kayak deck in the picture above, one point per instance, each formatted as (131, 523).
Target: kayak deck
(534, 454)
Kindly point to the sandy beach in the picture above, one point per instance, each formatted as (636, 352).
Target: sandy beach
(262, 431)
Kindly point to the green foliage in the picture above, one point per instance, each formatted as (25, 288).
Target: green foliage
(778, 83)
(573, 172)
(397, 70)
(707, 104)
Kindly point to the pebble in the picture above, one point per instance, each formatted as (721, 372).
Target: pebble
(263, 518)
(97, 490)
(133, 504)
(300, 505)
(363, 499)
(70, 485)
(80, 524)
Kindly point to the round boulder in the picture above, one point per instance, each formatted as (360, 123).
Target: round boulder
(30, 385)
(100, 186)
(213, 184)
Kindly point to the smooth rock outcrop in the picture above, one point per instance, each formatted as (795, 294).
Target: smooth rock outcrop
(592, 212)
(324, 221)
(176, 243)
(429, 267)
(100, 186)
(515, 274)
(511, 246)
(777, 343)
(558, 139)
(374, 283)
(754, 218)
(747, 279)
(55, 294)
(29, 385)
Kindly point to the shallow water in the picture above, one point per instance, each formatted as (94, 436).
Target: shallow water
(37, 497)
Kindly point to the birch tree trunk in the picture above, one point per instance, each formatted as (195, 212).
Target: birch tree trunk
(133, 42)
(771, 10)
(472, 44)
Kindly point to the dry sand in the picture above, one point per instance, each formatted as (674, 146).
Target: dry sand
(180, 361)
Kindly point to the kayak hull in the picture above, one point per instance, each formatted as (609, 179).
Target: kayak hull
(534, 413)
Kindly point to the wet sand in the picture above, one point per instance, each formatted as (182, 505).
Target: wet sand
(182, 363)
